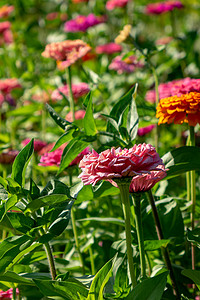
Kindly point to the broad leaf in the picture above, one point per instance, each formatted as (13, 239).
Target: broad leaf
(66, 137)
(193, 275)
(89, 123)
(55, 186)
(100, 280)
(152, 245)
(21, 162)
(10, 276)
(149, 289)
(181, 160)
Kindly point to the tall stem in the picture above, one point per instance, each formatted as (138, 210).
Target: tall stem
(75, 232)
(51, 260)
(165, 251)
(71, 98)
(138, 224)
(124, 192)
(193, 196)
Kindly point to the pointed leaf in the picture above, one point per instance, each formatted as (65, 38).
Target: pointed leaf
(89, 123)
(21, 162)
(66, 137)
(149, 289)
(193, 275)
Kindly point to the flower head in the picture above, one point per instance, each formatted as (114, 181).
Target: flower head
(179, 109)
(9, 84)
(145, 182)
(6, 10)
(8, 156)
(8, 294)
(79, 1)
(78, 90)
(5, 33)
(117, 163)
(112, 4)
(82, 23)
(38, 144)
(66, 52)
(164, 40)
(127, 65)
(124, 33)
(144, 130)
(109, 48)
(162, 7)
(79, 114)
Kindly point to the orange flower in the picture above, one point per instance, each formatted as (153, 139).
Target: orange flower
(179, 109)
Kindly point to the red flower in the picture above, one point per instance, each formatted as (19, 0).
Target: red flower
(9, 84)
(78, 90)
(117, 163)
(7, 157)
(112, 4)
(109, 48)
(6, 10)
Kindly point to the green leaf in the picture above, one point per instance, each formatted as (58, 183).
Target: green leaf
(69, 289)
(84, 194)
(3, 182)
(26, 110)
(55, 186)
(105, 220)
(193, 275)
(105, 189)
(181, 160)
(12, 249)
(194, 236)
(70, 152)
(133, 118)
(64, 124)
(100, 280)
(45, 201)
(21, 162)
(152, 245)
(66, 137)
(149, 289)
(7, 205)
(21, 222)
(89, 123)
(10, 276)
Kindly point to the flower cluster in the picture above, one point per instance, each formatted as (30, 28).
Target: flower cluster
(82, 23)
(66, 52)
(127, 65)
(112, 4)
(179, 109)
(162, 7)
(109, 48)
(114, 163)
(6, 36)
(78, 90)
(6, 10)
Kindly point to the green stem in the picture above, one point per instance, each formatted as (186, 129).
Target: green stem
(51, 260)
(193, 196)
(124, 192)
(138, 224)
(71, 98)
(74, 228)
(165, 251)
(92, 261)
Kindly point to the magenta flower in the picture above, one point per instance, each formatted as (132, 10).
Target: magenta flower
(9, 84)
(82, 23)
(78, 90)
(79, 114)
(8, 294)
(145, 182)
(117, 163)
(6, 36)
(127, 65)
(162, 7)
(174, 88)
(80, 156)
(109, 48)
(38, 144)
(8, 156)
(112, 4)
(144, 130)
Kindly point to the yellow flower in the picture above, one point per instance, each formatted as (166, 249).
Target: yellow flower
(123, 34)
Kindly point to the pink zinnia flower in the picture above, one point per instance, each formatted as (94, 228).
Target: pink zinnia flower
(78, 91)
(144, 130)
(162, 7)
(6, 10)
(112, 4)
(79, 1)
(145, 182)
(8, 294)
(38, 144)
(82, 23)
(117, 163)
(66, 52)
(109, 48)
(9, 84)
(5, 33)
(79, 114)
(127, 65)
(54, 158)
(8, 156)
(174, 88)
